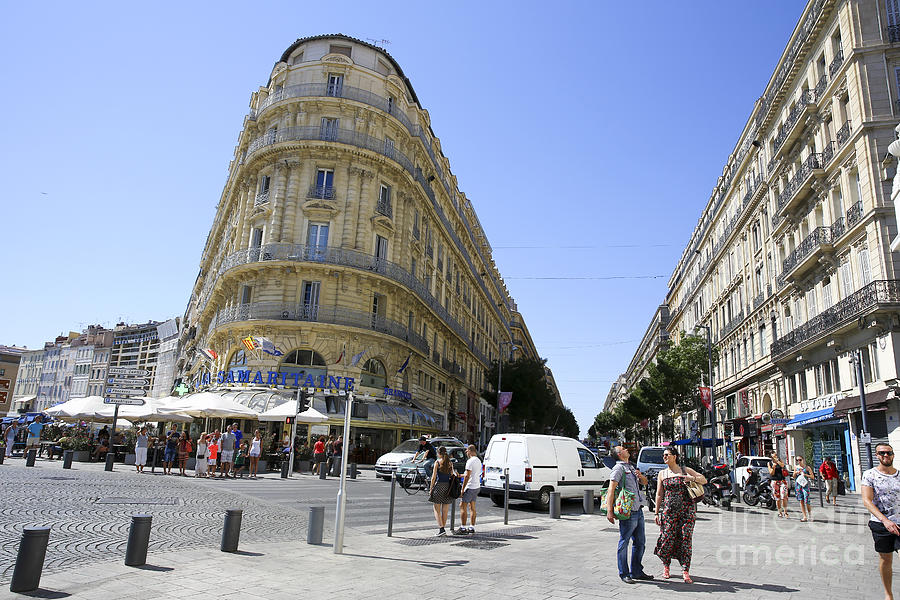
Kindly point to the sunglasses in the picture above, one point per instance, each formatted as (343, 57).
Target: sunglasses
(884, 453)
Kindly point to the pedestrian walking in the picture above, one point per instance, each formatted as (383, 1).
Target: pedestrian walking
(802, 477)
(202, 450)
(676, 514)
(777, 475)
(439, 494)
(212, 450)
(141, 443)
(34, 433)
(171, 450)
(255, 451)
(471, 486)
(631, 530)
(339, 447)
(830, 475)
(319, 453)
(184, 450)
(329, 453)
(10, 434)
(240, 459)
(881, 496)
(226, 449)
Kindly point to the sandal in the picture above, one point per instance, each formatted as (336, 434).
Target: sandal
(666, 572)
(687, 577)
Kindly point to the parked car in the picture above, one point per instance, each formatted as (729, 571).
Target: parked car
(540, 464)
(457, 456)
(386, 464)
(741, 467)
(650, 458)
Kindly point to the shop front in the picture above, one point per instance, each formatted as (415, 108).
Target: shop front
(881, 419)
(818, 433)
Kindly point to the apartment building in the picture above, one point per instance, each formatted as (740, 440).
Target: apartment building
(342, 240)
(790, 263)
(10, 365)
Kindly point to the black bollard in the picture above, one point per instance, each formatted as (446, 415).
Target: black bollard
(452, 516)
(284, 469)
(110, 459)
(2, 454)
(323, 471)
(30, 559)
(555, 505)
(316, 524)
(336, 467)
(68, 455)
(30, 457)
(353, 470)
(232, 531)
(588, 502)
(391, 510)
(138, 539)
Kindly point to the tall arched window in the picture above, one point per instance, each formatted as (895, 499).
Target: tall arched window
(373, 374)
(305, 362)
(238, 362)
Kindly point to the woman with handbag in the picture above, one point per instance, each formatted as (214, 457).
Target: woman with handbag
(802, 476)
(439, 494)
(676, 493)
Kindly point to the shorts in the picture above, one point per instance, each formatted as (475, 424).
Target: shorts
(779, 490)
(470, 495)
(169, 455)
(802, 493)
(140, 456)
(885, 541)
(212, 463)
(831, 487)
(227, 456)
(32, 441)
(320, 457)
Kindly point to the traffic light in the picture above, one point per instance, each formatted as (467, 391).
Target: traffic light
(303, 404)
(289, 420)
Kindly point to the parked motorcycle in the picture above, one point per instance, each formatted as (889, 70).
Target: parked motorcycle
(758, 489)
(717, 490)
(650, 490)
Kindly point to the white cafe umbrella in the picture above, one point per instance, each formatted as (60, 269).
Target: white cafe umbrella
(89, 408)
(286, 409)
(208, 404)
(151, 410)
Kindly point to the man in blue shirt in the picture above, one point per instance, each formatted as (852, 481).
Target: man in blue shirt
(34, 433)
(631, 529)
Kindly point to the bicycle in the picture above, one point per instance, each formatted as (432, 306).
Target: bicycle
(413, 480)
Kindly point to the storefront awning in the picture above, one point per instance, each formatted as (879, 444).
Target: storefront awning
(810, 417)
(707, 442)
(874, 401)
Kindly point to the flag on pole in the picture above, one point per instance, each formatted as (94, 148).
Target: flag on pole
(503, 400)
(267, 346)
(405, 364)
(209, 353)
(249, 343)
(357, 357)
(706, 397)
(341, 357)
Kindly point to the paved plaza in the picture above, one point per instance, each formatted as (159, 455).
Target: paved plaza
(746, 552)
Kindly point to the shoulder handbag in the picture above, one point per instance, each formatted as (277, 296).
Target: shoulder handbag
(455, 490)
(695, 490)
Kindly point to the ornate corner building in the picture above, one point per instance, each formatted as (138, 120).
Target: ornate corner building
(342, 239)
(790, 263)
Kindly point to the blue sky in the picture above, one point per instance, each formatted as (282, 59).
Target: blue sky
(588, 136)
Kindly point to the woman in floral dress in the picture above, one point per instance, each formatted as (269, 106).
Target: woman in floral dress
(675, 514)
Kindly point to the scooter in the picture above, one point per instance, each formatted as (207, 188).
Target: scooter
(650, 492)
(758, 489)
(717, 491)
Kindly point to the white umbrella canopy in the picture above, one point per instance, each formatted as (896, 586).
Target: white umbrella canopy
(209, 404)
(89, 408)
(286, 409)
(153, 409)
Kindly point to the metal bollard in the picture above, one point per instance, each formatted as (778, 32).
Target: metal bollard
(452, 516)
(391, 512)
(2, 454)
(336, 466)
(110, 459)
(138, 540)
(284, 469)
(323, 470)
(555, 505)
(316, 524)
(819, 484)
(68, 455)
(30, 559)
(588, 502)
(30, 457)
(506, 496)
(232, 531)
(735, 492)
(353, 470)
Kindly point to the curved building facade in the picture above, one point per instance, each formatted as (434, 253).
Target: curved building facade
(343, 246)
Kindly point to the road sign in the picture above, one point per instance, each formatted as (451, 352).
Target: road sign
(775, 421)
(127, 382)
(128, 371)
(124, 391)
(865, 438)
(129, 401)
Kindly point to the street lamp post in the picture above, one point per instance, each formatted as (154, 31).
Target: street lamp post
(712, 398)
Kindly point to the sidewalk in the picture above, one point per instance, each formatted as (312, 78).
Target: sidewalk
(756, 556)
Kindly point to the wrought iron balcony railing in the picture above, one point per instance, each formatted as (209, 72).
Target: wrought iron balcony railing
(871, 296)
(835, 65)
(843, 134)
(733, 324)
(893, 33)
(323, 192)
(804, 172)
(760, 298)
(819, 236)
(383, 207)
(805, 99)
(854, 214)
(335, 315)
(820, 87)
(261, 198)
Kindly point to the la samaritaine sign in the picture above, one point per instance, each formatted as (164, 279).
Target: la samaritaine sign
(295, 380)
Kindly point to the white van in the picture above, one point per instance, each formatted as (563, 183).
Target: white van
(540, 464)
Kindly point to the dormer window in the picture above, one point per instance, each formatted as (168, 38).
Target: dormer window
(297, 58)
(338, 49)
